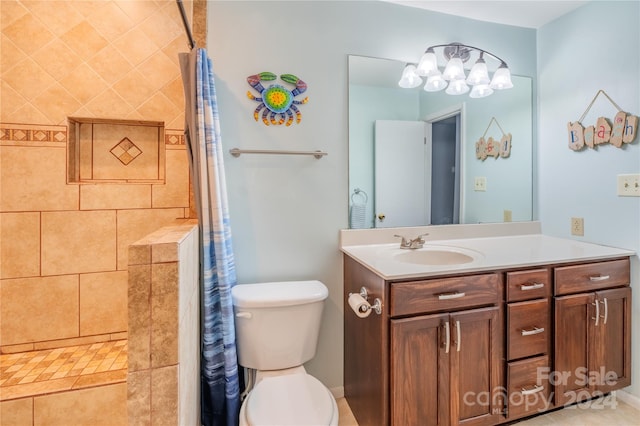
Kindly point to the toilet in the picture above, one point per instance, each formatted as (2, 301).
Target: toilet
(277, 326)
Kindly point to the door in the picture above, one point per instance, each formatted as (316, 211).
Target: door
(613, 346)
(574, 332)
(420, 348)
(401, 181)
(476, 365)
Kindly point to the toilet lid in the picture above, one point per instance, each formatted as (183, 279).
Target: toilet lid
(296, 399)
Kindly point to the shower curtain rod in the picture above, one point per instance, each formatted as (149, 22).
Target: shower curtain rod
(187, 28)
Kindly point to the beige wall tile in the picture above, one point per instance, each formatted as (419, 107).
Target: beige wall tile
(17, 413)
(139, 254)
(35, 309)
(78, 241)
(135, 224)
(175, 193)
(164, 252)
(103, 303)
(12, 349)
(105, 405)
(33, 179)
(139, 398)
(31, 87)
(164, 398)
(164, 314)
(115, 196)
(28, 33)
(85, 40)
(19, 245)
(139, 317)
(76, 341)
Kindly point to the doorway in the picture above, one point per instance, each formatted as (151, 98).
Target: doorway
(444, 130)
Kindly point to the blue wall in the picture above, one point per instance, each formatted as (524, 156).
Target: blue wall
(596, 47)
(286, 211)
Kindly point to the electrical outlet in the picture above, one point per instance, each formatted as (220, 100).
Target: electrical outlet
(629, 185)
(480, 184)
(507, 215)
(577, 226)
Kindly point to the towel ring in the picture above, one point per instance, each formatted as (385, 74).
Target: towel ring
(360, 192)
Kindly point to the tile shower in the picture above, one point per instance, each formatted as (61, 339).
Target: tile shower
(64, 241)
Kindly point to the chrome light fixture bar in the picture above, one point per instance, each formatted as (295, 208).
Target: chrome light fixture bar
(453, 77)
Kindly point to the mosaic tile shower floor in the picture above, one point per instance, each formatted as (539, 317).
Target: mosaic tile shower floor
(55, 370)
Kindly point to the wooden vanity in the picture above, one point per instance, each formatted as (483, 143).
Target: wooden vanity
(486, 347)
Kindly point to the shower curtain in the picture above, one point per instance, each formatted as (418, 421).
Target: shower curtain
(219, 382)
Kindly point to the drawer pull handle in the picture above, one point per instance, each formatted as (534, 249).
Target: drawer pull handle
(447, 296)
(458, 336)
(597, 317)
(535, 389)
(535, 330)
(533, 286)
(599, 278)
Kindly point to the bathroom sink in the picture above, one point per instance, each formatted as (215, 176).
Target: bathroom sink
(436, 256)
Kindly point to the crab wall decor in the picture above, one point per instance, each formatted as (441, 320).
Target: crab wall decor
(278, 102)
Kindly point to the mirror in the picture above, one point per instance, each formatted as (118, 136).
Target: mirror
(393, 184)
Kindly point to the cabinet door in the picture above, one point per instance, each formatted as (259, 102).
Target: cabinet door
(476, 367)
(420, 370)
(574, 334)
(613, 349)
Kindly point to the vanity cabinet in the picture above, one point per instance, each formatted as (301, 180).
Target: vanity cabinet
(486, 348)
(446, 368)
(593, 330)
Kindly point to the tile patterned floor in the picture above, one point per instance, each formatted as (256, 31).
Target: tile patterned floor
(53, 370)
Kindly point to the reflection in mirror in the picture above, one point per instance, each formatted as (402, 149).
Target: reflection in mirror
(412, 154)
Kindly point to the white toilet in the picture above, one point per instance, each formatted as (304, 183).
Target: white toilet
(277, 327)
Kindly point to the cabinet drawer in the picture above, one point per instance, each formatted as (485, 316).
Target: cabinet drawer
(527, 285)
(591, 276)
(444, 294)
(529, 328)
(528, 386)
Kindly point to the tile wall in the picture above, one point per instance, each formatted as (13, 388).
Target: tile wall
(164, 315)
(64, 247)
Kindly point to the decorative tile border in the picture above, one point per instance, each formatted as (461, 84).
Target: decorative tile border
(42, 135)
(174, 138)
(33, 134)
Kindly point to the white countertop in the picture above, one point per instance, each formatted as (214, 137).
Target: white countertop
(488, 253)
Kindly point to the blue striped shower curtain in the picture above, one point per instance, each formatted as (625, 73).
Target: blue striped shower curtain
(220, 393)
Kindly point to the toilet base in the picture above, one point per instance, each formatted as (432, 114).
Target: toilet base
(265, 375)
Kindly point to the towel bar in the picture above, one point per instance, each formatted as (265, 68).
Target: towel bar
(236, 152)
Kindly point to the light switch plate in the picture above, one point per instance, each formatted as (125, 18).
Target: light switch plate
(629, 185)
(507, 215)
(480, 184)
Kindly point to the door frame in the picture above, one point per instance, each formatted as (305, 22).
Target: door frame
(447, 112)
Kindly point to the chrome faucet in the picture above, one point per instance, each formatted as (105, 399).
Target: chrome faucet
(413, 244)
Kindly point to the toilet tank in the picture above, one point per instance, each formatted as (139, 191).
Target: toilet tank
(277, 323)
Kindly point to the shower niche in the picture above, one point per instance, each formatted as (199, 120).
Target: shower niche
(115, 151)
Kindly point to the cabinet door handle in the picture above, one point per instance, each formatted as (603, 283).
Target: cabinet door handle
(458, 336)
(531, 391)
(599, 278)
(447, 296)
(606, 311)
(535, 330)
(597, 317)
(447, 337)
(532, 286)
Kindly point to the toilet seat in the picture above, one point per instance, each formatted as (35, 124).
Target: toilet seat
(295, 399)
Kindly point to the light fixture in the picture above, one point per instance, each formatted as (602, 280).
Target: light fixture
(409, 78)
(453, 76)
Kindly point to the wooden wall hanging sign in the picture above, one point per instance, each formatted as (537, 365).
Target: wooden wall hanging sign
(623, 130)
(492, 147)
